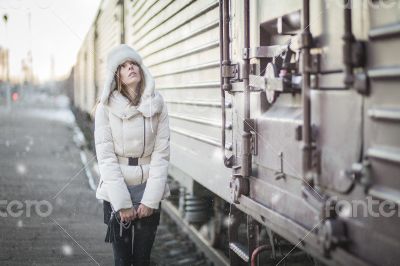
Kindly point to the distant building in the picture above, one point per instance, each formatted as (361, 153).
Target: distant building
(4, 70)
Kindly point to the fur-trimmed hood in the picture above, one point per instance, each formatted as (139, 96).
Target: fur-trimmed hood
(151, 101)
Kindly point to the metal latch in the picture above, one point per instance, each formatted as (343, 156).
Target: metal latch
(230, 71)
(251, 126)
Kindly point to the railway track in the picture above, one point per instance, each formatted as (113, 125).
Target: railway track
(179, 243)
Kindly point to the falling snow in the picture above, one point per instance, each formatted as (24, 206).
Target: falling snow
(20, 224)
(67, 250)
(345, 210)
(59, 201)
(226, 221)
(21, 168)
(275, 198)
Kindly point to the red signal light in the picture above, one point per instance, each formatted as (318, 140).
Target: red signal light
(15, 96)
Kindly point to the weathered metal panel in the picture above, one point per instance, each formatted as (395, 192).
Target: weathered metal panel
(347, 124)
(382, 123)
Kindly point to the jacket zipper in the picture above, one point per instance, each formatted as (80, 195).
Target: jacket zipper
(141, 181)
(144, 145)
(123, 146)
(144, 135)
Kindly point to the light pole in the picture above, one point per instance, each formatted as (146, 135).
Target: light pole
(32, 76)
(7, 64)
(5, 19)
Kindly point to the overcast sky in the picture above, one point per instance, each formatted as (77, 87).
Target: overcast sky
(58, 28)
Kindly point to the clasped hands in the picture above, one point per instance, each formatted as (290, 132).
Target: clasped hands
(131, 214)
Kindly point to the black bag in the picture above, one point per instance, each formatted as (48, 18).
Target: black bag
(136, 192)
(111, 217)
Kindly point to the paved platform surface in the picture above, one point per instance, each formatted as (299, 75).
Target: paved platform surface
(49, 213)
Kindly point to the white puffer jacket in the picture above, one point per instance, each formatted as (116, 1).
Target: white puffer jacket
(129, 131)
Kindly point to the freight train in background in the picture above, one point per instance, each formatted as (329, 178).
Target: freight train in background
(280, 112)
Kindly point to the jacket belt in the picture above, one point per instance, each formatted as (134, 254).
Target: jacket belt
(134, 160)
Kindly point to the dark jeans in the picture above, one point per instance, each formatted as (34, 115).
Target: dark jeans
(144, 234)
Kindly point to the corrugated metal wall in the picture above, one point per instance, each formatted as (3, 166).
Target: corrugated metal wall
(84, 73)
(108, 35)
(77, 80)
(90, 71)
(382, 113)
(179, 42)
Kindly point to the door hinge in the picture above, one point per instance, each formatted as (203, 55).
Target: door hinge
(250, 125)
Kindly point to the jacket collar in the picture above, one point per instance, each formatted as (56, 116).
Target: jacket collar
(148, 106)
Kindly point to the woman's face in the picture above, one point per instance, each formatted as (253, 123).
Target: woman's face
(130, 73)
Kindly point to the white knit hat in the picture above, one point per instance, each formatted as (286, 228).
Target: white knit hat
(151, 101)
(117, 56)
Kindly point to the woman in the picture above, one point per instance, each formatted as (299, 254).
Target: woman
(132, 147)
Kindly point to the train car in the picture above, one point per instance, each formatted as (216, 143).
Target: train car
(84, 89)
(284, 115)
